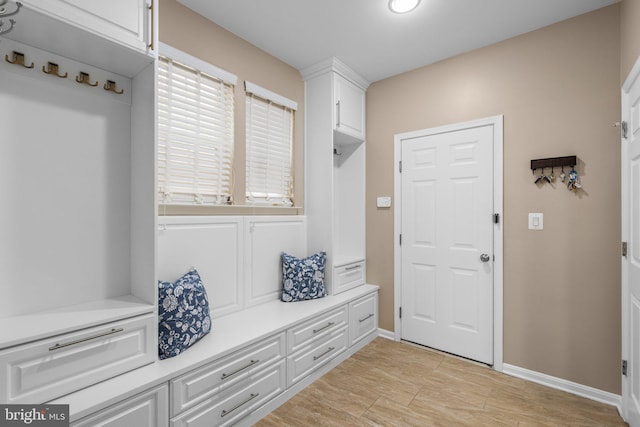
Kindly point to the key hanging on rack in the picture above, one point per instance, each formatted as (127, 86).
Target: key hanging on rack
(574, 181)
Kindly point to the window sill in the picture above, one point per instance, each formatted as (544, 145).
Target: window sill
(171, 210)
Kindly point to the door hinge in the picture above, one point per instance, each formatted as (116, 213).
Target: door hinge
(496, 218)
(400, 239)
(624, 368)
(624, 127)
(400, 166)
(400, 310)
(624, 249)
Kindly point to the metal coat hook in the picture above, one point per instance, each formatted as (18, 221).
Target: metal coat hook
(18, 59)
(3, 10)
(5, 31)
(84, 78)
(52, 69)
(110, 85)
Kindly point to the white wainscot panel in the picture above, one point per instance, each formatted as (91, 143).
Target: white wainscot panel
(213, 246)
(266, 238)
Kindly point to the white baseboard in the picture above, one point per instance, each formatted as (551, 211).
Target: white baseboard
(383, 333)
(564, 385)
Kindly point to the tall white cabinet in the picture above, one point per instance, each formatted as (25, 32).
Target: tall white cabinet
(77, 184)
(335, 170)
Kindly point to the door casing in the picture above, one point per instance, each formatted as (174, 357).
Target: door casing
(625, 232)
(497, 123)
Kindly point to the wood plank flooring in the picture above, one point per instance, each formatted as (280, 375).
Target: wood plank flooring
(398, 384)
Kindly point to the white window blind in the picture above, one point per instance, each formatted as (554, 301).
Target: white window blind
(195, 135)
(269, 140)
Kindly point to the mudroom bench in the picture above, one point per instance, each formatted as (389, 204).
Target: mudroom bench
(250, 363)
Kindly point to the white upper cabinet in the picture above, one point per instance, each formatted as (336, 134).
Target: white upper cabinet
(124, 21)
(117, 35)
(349, 108)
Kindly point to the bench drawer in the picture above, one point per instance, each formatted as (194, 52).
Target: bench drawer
(306, 333)
(229, 406)
(46, 369)
(148, 409)
(363, 317)
(304, 362)
(198, 385)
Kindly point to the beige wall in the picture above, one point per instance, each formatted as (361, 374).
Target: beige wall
(183, 29)
(629, 36)
(558, 89)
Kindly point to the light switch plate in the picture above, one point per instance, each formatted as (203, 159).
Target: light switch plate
(536, 221)
(383, 202)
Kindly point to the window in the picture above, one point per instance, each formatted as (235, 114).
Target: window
(269, 140)
(195, 130)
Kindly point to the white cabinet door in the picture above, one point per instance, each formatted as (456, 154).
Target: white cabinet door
(148, 409)
(349, 108)
(123, 21)
(363, 317)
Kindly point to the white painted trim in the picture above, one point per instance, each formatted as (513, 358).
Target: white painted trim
(383, 333)
(334, 65)
(397, 230)
(498, 235)
(564, 385)
(269, 95)
(197, 63)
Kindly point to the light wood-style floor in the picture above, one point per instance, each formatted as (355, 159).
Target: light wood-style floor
(399, 384)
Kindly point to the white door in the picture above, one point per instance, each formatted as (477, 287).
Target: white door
(631, 233)
(447, 241)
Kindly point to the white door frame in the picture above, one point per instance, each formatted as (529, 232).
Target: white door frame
(497, 123)
(624, 153)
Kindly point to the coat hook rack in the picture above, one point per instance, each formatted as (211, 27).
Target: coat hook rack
(110, 85)
(554, 162)
(18, 59)
(83, 77)
(52, 69)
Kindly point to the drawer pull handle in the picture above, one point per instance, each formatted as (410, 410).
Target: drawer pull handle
(329, 350)
(104, 334)
(328, 325)
(224, 412)
(366, 317)
(237, 371)
(353, 267)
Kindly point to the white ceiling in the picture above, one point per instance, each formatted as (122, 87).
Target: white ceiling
(375, 42)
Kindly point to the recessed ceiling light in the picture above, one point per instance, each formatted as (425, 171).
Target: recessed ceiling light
(403, 6)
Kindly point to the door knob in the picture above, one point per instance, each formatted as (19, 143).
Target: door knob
(485, 257)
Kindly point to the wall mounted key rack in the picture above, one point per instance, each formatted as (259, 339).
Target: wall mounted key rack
(557, 162)
(554, 162)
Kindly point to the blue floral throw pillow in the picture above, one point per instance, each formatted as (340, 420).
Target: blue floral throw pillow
(303, 279)
(183, 312)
